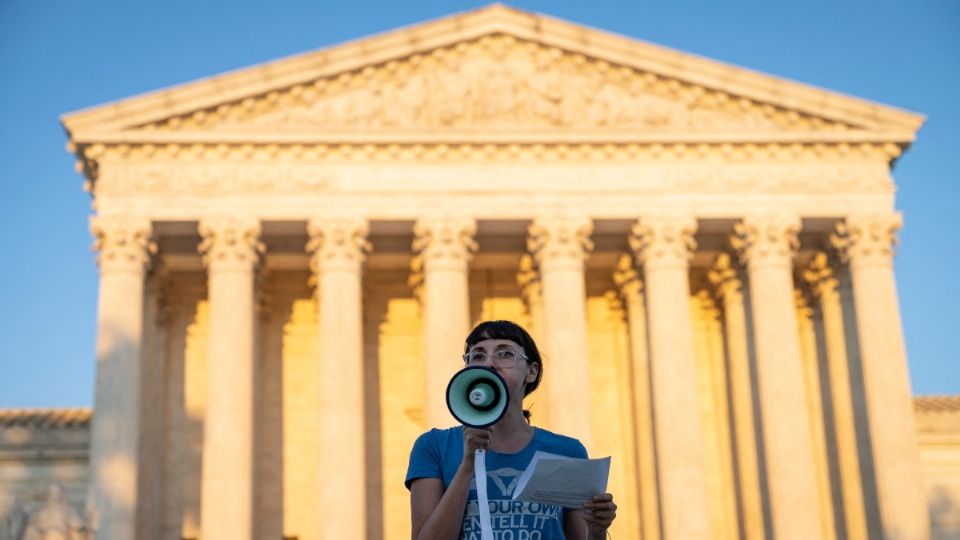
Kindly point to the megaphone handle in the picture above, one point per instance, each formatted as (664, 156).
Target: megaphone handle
(480, 475)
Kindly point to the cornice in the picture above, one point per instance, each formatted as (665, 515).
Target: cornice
(46, 418)
(945, 404)
(546, 137)
(495, 19)
(603, 148)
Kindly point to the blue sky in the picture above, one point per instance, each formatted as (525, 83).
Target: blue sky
(58, 56)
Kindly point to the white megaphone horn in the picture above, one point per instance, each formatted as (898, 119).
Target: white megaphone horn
(477, 396)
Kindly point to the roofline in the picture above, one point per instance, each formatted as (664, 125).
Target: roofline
(937, 404)
(496, 18)
(46, 417)
(902, 137)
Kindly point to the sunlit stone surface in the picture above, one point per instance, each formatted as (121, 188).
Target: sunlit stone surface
(703, 252)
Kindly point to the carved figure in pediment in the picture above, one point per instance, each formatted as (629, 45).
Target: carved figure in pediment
(611, 106)
(504, 83)
(449, 96)
(576, 100)
(544, 89)
(402, 100)
(496, 98)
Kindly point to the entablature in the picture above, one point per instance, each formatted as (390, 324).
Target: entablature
(647, 172)
(486, 84)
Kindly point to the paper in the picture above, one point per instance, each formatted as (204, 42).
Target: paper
(562, 480)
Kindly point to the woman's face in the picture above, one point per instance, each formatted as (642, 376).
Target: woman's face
(517, 372)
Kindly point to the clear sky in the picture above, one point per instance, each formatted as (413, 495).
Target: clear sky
(58, 56)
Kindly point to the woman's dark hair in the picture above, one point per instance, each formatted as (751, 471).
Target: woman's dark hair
(511, 331)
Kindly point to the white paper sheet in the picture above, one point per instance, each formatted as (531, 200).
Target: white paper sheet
(562, 480)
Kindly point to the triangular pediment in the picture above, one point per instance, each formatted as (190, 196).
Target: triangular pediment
(495, 72)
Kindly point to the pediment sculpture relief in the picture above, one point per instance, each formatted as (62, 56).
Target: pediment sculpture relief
(500, 82)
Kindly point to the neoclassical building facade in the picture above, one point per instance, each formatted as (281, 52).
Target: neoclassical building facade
(292, 254)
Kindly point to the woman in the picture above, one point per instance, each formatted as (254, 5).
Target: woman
(443, 502)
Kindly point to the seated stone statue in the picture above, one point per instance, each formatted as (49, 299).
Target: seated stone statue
(16, 520)
(53, 520)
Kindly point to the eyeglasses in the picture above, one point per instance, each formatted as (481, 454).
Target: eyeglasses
(500, 358)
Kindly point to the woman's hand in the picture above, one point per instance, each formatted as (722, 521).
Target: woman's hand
(473, 440)
(599, 513)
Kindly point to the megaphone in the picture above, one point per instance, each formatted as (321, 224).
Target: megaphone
(477, 396)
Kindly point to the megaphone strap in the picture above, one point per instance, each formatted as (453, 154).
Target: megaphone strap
(480, 474)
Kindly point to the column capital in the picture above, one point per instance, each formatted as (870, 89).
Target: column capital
(627, 279)
(230, 243)
(416, 279)
(616, 304)
(263, 294)
(160, 284)
(337, 243)
(763, 241)
(560, 239)
(708, 303)
(803, 302)
(444, 241)
(123, 243)
(663, 241)
(528, 279)
(725, 276)
(820, 276)
(867, 239)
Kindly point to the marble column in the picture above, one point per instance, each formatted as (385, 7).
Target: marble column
(531, 288)
(338, 247)
(174, 413)
(444, 248)
(268, 411)
(231, 250)
(767, 246)
(124, 250)
(154, 384)
(807, 322)
(866, 243)
(729, 288)
(559, 244)
(824, 286)
(631, 290)
(823, 283)
(715, 415)
(663, 246)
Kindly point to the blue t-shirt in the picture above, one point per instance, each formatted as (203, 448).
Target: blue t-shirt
(438, 453)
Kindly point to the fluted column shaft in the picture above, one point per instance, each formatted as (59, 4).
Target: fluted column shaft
(663, 247)
(767, 245)
(531, 288)
(729, 288)
(152, 482)
(338, 248)
(444, 248)
(560, 244)
(231, 250)
(175, 418)
(824, 285)
(124, 249)
(806, 329)
(867, 243)
(631, 289)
